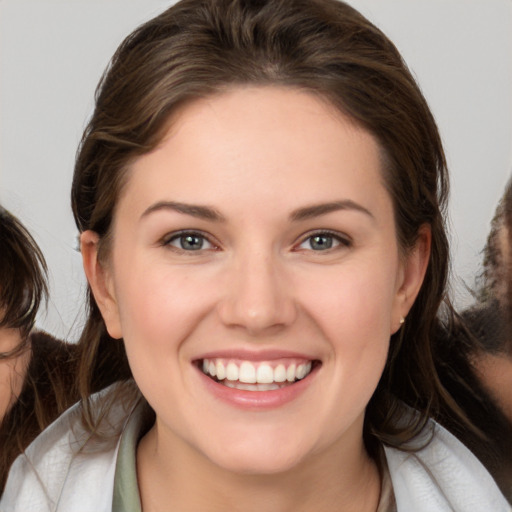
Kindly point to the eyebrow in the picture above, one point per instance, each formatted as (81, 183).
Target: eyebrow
(201, 212)
(324, 208)
(208, 213)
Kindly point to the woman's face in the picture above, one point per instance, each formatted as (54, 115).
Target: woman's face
(256, 279)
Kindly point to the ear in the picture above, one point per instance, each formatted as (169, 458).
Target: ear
(101, 283)
(413, 268)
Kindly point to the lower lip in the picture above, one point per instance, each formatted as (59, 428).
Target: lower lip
(257, 400)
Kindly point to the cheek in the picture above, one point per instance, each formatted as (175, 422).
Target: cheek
(354, 313)
(357, 301)
(159, 306)
(9, 339)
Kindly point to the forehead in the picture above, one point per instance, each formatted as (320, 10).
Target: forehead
(259, 143)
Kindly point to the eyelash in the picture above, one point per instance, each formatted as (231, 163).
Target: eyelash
(341, 241)
(176, 236)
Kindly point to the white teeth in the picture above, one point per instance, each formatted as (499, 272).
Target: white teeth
(280, 373)
(303, 370)
(247, 372)
(251, 387)
(232, 371)
(300, 372)
(221, 370)
(267, 387)
(290, 373)
(265, 374)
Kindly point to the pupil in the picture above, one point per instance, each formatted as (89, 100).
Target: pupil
(321, 242)
(191, 242)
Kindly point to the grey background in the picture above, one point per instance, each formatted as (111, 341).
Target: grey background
(52, 53)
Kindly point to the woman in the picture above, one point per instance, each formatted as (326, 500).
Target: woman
(37, 372)
(259, 194)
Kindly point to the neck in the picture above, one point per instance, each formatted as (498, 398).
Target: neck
(340, 479)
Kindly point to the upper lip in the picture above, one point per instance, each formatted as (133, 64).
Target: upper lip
(255, 355)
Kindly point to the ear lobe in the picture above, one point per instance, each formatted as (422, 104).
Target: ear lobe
(414, 268)
(100, 281)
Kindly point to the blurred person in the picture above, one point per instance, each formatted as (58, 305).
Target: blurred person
(492, 317)
(37, 371)
(475, 355)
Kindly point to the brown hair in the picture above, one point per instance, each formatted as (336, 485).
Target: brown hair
(201, 47)
(492, 316)
(23, 274)
(495, 268)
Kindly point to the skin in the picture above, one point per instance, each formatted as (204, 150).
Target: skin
(259, 158)
(12, 370)
(496, 374)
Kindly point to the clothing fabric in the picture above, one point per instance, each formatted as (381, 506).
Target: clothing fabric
(66, 469)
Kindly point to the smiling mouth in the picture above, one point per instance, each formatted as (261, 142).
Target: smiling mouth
(261, 376)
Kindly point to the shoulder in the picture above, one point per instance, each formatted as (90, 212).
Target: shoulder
(442, 475)
(66, 467)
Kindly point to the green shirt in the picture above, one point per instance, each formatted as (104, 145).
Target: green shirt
(126, 491)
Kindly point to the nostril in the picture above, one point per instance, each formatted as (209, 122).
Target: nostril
(257, 317)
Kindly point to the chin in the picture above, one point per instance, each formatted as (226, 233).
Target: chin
(258, 456)
(258, 464)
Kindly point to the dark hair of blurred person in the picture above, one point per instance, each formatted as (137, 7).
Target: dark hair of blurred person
(37, 371)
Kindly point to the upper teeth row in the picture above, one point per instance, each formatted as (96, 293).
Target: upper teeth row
(247, 372)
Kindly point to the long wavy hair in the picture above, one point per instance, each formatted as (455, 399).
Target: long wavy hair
(198, 48)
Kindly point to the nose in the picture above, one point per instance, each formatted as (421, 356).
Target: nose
(258, 296)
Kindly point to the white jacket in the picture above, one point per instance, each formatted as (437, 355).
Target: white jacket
(52, 477)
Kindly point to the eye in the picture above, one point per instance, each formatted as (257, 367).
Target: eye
(189, 241)
(323, 241)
